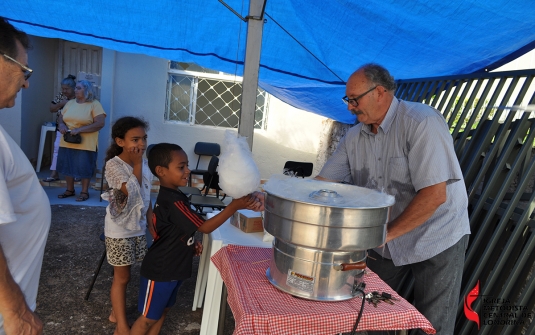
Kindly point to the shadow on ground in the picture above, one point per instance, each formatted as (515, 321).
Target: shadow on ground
(72, 253)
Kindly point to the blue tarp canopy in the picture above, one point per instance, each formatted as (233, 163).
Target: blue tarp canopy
(309, 47)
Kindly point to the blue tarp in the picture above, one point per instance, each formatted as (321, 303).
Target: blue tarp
(309, 47)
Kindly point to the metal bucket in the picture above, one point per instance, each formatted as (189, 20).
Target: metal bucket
(319, 247)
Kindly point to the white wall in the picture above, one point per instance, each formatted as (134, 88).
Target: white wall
(36, 99)
(23, 121)
(107, 94)
(10, 119)
(291, 134)
(134, 84)
(139, 89)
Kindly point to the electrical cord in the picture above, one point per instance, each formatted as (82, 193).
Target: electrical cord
(360, 312)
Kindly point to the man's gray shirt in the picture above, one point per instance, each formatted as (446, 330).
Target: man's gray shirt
(412, 149)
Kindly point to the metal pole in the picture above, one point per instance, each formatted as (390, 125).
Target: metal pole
(255, 24)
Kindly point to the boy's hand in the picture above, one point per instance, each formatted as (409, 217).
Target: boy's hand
(198, 248)
(245, 201)
(152, 231)
(258, 205)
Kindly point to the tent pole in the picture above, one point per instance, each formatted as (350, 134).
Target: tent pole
(255, 24)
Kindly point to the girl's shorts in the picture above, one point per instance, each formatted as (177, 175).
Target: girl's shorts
(156, 296)
(125, 251)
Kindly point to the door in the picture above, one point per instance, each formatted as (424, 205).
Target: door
(77, 57)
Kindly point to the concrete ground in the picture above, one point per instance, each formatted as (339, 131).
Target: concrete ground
(72, 254)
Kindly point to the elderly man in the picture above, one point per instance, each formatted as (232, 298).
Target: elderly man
(405, 149)
(24, 207)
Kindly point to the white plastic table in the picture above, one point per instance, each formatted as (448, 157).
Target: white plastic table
(209, 280)
(44, 129)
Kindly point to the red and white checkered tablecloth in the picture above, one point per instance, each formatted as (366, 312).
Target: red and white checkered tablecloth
(260, 308)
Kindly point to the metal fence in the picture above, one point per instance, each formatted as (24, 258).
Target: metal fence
(494, 143)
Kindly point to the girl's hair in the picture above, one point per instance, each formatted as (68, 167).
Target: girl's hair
(119, 129)
(89, 93)
(160, 155)
(70, 81)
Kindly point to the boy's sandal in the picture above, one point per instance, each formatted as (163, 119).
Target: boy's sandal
(66, 194)
(83, 196)
(50, 179)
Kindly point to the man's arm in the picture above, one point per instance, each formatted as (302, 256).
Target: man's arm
(419, 210)
(325, 179)
(18, 318)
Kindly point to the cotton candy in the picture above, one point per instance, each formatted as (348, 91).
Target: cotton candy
(305, 190)
(238, 173)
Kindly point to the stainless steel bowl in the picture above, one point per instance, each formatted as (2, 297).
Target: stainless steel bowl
(325, 227)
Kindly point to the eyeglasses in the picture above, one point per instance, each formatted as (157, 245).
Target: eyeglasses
(355, 101)
(27, 71)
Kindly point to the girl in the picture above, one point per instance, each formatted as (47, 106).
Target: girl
(129, 210)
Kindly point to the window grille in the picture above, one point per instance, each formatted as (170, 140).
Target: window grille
(204, 97)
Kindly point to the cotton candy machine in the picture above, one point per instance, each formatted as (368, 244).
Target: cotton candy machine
(321, 233)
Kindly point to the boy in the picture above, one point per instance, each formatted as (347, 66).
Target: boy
(169, 259)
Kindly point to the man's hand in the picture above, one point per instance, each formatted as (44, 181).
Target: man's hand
(258, 204)
(18, 318)
(325, 179)
(24, 322)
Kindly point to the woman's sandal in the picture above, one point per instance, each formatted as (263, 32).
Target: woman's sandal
(66, 194)
(83, 196)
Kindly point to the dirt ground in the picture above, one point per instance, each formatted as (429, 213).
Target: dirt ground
(71, 256)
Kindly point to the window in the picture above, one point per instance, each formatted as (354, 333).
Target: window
(201, 96)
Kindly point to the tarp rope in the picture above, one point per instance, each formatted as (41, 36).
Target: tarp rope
(304, 47)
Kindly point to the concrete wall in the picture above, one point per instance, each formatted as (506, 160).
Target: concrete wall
(107, 94)
(23, 121)
(134, 84)
(291, 134)
(36, 99)
(139, 89)
(10, 119)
